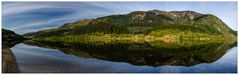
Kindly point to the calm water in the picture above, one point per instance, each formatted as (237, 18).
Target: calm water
(126, 57)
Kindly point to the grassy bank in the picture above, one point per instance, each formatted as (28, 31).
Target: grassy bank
(168, 35)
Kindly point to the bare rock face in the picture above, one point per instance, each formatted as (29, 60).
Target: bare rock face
(9, 64)
(138, 15)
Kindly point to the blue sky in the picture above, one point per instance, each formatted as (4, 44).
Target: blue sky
(23, 17)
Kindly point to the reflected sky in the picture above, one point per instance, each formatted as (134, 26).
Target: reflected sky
(37, 59)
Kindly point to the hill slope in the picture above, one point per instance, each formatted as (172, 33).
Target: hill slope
(143, 22)
(10, 38)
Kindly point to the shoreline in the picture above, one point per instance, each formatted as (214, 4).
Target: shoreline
(9, 64)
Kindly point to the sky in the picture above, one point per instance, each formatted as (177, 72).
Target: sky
(24, 17)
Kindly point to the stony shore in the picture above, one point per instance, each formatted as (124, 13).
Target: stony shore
(9, 64)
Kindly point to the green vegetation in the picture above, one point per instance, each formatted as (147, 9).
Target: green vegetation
(152, 38)
(141, 25)
(10, 38)
(167, 35)
(142, 38)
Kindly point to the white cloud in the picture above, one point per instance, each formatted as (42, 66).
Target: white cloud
(18, 8)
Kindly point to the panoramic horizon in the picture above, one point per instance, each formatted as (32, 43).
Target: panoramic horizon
(33, 17)
(119, 37)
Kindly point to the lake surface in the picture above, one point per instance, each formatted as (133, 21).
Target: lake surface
(124, 57)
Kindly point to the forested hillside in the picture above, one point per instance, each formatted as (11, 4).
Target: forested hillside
(10, 38)
(153, 23)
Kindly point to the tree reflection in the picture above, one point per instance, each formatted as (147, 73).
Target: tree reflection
(153, 53)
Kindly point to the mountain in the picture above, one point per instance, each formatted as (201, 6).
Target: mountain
(10, 38)
(152, 22)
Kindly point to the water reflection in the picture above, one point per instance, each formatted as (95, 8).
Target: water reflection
(154, 53)
(38, 59)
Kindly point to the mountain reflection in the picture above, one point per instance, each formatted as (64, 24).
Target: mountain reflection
(153, 53)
